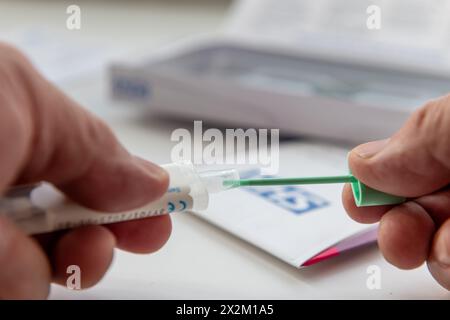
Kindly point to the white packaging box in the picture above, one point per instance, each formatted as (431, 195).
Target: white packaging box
(269, 69)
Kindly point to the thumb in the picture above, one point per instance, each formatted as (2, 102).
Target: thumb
(46, 136)
(413, 162)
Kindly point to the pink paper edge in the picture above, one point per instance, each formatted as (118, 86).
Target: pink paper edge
(354, 241)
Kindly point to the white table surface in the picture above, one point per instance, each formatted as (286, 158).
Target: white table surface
(200, 260)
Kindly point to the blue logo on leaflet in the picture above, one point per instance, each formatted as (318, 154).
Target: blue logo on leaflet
(292, 198)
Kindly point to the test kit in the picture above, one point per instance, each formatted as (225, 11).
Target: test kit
(298, 219)
(278, 64)
(42, 208)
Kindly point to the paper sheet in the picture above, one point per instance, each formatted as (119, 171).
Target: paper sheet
(294, 223)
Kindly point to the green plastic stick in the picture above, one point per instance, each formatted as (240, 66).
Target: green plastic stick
(290, 181)
(364, 196)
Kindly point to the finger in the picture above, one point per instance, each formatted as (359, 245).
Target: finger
(143, 236)
(58, 141)
(415, 161)
(369, 214)
(15, 120)
(437, 205)
(117, 185)
(439, 261)
(90, 248)
(24, 269)
(405, 234)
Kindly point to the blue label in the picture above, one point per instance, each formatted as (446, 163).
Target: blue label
(292, 198)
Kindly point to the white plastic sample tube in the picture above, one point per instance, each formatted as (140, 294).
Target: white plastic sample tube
(42, 208)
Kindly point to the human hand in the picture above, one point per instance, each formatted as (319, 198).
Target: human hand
(415, 163)
(44, 135)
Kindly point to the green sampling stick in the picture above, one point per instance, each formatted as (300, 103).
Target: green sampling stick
(290, 181)
(363, 195)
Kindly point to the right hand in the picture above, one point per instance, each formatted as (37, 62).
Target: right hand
(415, 163)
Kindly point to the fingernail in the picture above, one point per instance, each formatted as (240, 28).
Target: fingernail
(369, 149)
(442, 251)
